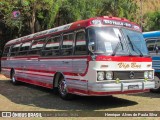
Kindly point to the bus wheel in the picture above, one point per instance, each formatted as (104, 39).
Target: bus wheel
(13, 79)
(157, 85)
(62, 89)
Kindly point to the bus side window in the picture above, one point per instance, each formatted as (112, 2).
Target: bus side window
(15, 50)
(150, 44)
(6, 51)
(24, 48)
(80, 48)
(67, 45)
(36, 47)
(157, 45)
(92, 35)
(52, 47)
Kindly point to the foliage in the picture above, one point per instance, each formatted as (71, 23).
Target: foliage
(37, 15)
(73, 10)
(152, 21)
(119, 8)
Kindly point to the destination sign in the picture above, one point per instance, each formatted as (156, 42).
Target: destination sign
(119, 23)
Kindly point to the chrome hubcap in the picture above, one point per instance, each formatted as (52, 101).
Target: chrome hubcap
(63, 87)
(13, 78)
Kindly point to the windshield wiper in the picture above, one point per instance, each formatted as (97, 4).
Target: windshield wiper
(117, 46)
(133, 45)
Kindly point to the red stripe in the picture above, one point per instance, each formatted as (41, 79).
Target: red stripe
(36, 74)
(72, 90)
(77, 79)
(123, 58)
(35, 82)
(44, 71)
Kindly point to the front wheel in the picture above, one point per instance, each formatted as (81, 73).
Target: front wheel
(62, 89)
(157, 85)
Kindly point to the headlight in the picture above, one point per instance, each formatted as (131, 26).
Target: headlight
(150, 74)
(100, 75)
(146, 74)
(109, 75)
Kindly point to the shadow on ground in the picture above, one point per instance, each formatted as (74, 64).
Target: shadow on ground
(148, 94)
(44, 98)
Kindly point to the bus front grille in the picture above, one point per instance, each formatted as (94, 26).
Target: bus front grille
(126, 75)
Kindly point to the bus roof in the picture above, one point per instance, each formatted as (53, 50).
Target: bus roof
(151, 34)
(104, 20)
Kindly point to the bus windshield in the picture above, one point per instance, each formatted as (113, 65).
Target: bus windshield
(117, 41)
(136, 42)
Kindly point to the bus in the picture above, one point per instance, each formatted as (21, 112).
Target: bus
(153, 44)
(98, 56)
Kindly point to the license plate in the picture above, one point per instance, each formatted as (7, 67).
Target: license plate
(133, 87)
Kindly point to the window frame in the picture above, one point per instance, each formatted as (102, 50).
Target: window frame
(86, 41)
(6, 53)
(72, 46)
(39, 50)
(15, 53)
(24, 50)
(155, 41)
(47, 39)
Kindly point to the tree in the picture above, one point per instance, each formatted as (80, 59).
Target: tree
(73, 10)
(152, 21)
(120, 8)
(7, 8)
(35, 10)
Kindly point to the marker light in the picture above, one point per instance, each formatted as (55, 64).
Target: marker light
(96, 22)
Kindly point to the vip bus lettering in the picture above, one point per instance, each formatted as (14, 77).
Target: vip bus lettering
(126, 65)
(123, 65)
(135, 65)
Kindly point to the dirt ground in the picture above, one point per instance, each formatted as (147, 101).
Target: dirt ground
(27, 97)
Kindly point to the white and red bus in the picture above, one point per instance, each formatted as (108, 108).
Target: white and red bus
(95, 57)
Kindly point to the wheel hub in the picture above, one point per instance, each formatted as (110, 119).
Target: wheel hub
(63, 87)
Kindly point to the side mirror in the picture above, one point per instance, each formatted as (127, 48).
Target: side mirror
(91, 46)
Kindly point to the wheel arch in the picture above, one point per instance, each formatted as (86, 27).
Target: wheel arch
(56, 78)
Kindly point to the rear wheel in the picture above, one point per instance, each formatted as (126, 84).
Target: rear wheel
(157, 85)
(62, 89)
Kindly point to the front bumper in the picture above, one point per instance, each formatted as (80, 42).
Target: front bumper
(102, 88)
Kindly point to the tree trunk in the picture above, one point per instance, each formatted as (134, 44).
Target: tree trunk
(33, 19)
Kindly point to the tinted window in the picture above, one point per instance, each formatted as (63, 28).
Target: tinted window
(53, 43)
(157, 45)
(67, 44)
(6, 51)
(52, 46)
(80, 48)
(15, 49)
(150, 44)
(36, 46)
(24, 48)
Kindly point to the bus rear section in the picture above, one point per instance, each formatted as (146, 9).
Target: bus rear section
(153, 44)
(95, 57)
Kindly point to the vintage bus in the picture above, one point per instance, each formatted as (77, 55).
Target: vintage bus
(153, 44)
(95, 57)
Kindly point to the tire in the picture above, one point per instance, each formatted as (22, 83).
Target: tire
(13, 79)
(62, 90)
(157, 86)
